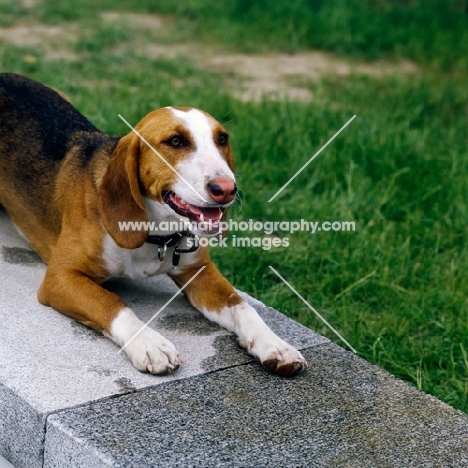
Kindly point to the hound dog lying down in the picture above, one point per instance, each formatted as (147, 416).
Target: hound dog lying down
(66, 186)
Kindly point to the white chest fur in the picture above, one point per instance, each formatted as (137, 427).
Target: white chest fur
(138, 263)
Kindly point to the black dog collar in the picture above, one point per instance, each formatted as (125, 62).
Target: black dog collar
(173, 240)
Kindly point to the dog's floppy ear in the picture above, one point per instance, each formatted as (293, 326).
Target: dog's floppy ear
(119, 195)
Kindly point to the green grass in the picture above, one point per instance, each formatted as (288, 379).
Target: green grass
(396, 288)
(400, 172)
(433, 32)
(423, 30)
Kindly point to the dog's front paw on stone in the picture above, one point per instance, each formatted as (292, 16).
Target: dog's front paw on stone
(283, 368)
(283, 360)
(151, 352)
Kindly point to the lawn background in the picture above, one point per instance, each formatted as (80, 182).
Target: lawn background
(396, 288)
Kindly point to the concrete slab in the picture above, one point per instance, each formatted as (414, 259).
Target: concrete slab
(49, 363)
(342, 412)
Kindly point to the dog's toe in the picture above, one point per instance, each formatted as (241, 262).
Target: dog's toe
(285, 369)
(279, 357)
(151, 352)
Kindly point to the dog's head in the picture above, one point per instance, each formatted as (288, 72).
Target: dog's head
(178, 165)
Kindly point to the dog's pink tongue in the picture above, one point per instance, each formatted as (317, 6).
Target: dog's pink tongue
(208, 213)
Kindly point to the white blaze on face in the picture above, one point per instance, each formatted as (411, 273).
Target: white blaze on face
(205, 163)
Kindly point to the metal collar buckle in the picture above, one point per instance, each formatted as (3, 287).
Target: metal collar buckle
(173, 240)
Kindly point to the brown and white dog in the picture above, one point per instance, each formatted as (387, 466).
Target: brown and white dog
(66, 186)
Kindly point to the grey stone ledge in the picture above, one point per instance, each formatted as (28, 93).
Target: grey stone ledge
(50, 363)
(341, 412)
(67, 399)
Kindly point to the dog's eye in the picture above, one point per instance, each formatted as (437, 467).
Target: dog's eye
(175, 141)
(222, 139)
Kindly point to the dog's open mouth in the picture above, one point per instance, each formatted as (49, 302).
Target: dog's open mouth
(209, 216)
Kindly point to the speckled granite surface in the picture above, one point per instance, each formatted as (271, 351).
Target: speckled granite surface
(342, 412)
(4, 463)
(67, 399)
(49, 363)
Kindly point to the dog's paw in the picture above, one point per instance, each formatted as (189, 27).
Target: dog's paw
(147, 349)
(151, 352)
(276, 355)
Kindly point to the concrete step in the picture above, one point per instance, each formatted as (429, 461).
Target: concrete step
(342, 412)
(67, 399)
(49, 363)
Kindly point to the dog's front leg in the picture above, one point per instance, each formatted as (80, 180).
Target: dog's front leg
(78, 296)
(214, 296)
